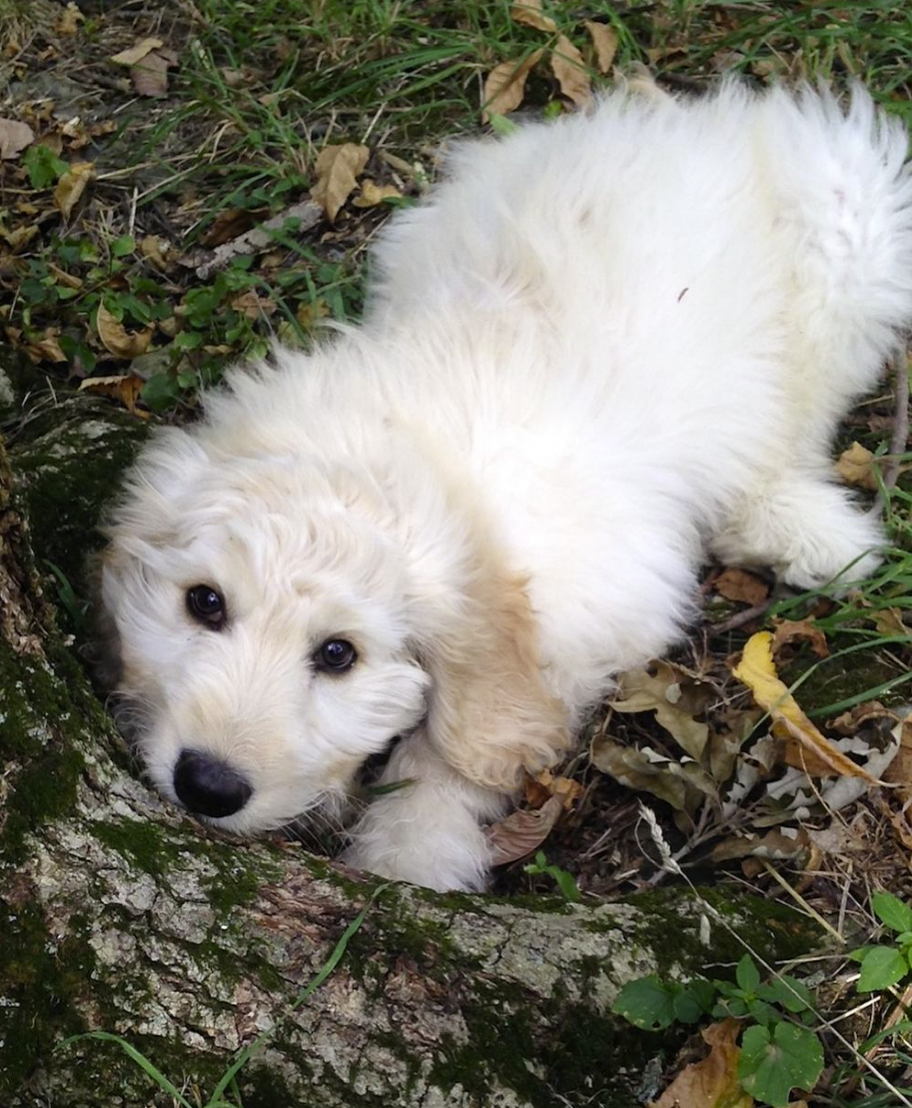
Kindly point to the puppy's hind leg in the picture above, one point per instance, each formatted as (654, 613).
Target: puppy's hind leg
(427, 830)
(805, 528)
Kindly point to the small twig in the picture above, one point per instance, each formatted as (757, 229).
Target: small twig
(739, 619)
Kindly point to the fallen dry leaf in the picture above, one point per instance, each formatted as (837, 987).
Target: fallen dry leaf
(46, 349)
(857, 466)
(337, 169)
(72, 185)
(117, 339)
(124, 387)
(605, 40)
(19, 237)
(506, 85)
(518, 834)
(675, 695)
(570, 70)
(787, 632)
(251, 304)
(14, 138)
(889, 621)
(712, 1082)
(150, 74)
(138, 52)
(680, 784)
(373, 194)
(780, 844)
(70, 18)
(565, 789)
(156, 250)
(530, 13)
(818, 755)
(742, 586)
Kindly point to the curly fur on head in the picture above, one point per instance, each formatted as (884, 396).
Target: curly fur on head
(602, 347)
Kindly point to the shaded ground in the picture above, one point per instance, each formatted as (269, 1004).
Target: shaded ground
(122, 258)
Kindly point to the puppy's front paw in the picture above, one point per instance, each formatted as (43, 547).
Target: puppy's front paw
(443, 849)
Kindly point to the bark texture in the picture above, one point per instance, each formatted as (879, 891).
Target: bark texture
(118, 914)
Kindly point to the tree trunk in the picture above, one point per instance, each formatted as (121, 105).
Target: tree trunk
(117, 914)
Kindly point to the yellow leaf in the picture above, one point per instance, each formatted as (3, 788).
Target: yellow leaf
(117, 339)
(570, 70)
(72, 185)
(605, 40)
(373, 194)
(506, 85)
(337, 167)
(712, 1082)
(530, 12)
(758, 671)
(124, 387)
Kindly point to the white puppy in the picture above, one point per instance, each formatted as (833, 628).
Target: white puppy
(602, 347)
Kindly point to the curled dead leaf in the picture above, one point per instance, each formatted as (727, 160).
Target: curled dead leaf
(150, 74)
(124, 387)
(530, 13)
(117, 339)
(680, 784)
(676, 696)
(779, 844)
(570, 70)
(14, 138)
(506, 85)
(564, 788)
(46, 348)
(251, 304)
(337, 169)
(72, 185)
(741, 586)
(373, 194)
(857, 466)
(787, 632)
(138, 52)
(818, 755)
(522, 832)
(605, 41)
(712, 1082)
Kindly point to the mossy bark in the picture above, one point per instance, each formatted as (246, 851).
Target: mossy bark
(117, 914)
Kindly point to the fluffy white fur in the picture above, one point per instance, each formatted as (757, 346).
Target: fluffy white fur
(603, 347)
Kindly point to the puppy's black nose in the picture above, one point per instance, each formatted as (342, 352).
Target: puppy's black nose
(209, 787)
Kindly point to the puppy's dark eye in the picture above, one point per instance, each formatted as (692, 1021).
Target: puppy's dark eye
(207, 605)
(335, 656)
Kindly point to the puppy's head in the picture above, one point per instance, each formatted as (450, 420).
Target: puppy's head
(260, 617)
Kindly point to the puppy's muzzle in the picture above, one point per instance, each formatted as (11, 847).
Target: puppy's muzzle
(208, 786)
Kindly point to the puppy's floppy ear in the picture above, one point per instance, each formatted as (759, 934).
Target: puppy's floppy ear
(489, 713)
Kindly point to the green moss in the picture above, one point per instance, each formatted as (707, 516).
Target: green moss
(40, 979)
(42, 774)
(143, 843)
(770, 928)
(65, 477)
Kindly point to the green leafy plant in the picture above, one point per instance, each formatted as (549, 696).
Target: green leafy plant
(565, 881)
(881, 965)
(779, 1051)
